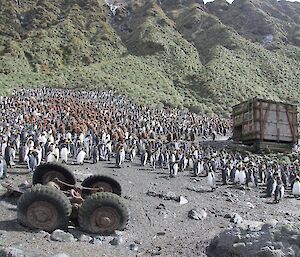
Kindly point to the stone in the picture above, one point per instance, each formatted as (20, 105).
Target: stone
(3, 235)
(236, 219)
(16, 252)
(271, 223)
(166, 196)
(267, 252)
(239, 246)
(161, 206)
(12, 252)
(62, 236)
(133, 247)
(197, 190)
(250, 225)
(97, 241)
(250, 205)
(118, 240)
(279, 241)
(182, 200)
(169, 195)
(85, 238)
(197, 214)
(227, 216)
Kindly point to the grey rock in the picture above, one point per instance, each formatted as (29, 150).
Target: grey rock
(250, 225)
(16, 252)
(118, 240)
(227, 216)
(133, 247)
(197, 190)
(197, 214)
(85, 238)
(182, 200)
(283, 240)
(271, 223)
(250, 205)
(169, 196)
(166, 196)
(161, 206)
(239, 246)
(267, 252)
(98, 240)
(62, 236)
(12, 252)
(3, 235)
(236, 218)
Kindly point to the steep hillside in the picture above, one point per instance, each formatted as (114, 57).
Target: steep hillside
(181, 53)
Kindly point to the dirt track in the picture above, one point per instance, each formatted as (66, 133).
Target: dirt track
(157, 226)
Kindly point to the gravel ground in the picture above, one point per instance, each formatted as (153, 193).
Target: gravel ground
(157, 227)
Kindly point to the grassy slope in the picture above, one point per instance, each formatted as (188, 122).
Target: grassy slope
(182, 55)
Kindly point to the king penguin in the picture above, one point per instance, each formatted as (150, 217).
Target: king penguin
(279, 190)
(211, 180)
(64, 154)
(296, 187)
(80, 157)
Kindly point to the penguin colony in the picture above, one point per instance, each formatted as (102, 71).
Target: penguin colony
(68, 126)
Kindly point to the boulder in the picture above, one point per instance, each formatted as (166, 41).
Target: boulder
(270, 241)
(236, 218)
(62, 236)
(16, 252)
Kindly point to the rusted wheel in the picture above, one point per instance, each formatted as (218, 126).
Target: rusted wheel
(43, 207)
(103, 183)
(49, 171)
(103, 213)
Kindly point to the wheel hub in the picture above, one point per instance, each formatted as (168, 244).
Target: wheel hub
(42, 215)
(103, 187)
(105, 218)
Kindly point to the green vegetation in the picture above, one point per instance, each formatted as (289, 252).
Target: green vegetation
(179, 53)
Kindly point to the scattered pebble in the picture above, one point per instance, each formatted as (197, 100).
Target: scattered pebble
(182, 200)
(118, 240)
(197, 214)
(62, 236)
(133, 247)
(16, 252)
(236, 218)
(85, 238)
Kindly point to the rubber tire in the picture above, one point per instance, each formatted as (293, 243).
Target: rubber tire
(102, 200)
(48, 194)
(44, 168)
(89, 181)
